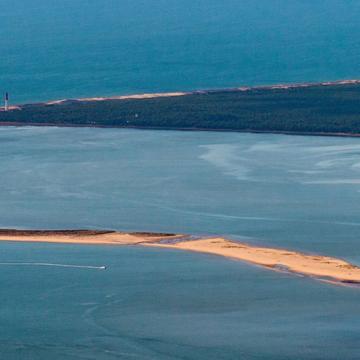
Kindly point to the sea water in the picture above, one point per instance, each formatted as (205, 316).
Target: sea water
(294, 192)
(70, 49)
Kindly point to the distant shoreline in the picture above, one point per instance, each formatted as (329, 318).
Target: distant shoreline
(319, 267)
(191, 92)
(318, 109)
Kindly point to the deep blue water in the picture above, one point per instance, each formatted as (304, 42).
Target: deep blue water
(61, 49)
(288, 191)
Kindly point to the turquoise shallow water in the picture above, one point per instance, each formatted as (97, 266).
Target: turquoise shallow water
(290, 191)
(63, 49)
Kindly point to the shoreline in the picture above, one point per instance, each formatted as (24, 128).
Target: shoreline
(281, 86)
(316, 266)
(144, 96)
(86, 237)
(305, 109)
(248, 131)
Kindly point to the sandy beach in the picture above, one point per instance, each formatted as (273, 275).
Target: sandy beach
(121, 97)
(10, 108)
(318, 266)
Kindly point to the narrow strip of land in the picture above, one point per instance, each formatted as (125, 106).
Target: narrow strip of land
(183, 93)
(95, 237)
(322, 267)
(327, 108)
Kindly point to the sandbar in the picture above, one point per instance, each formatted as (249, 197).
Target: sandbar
(317, 266)
(323, 267)
(83, 236)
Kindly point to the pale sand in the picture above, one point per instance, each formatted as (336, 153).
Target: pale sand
(121, 97)
(184, 93)
(322, 267)
(84, 237)
(277, 259)
(11, 107)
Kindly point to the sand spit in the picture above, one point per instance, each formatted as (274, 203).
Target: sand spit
(322, 267)
(317, 266)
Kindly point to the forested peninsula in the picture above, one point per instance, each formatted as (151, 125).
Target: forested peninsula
(331, 108)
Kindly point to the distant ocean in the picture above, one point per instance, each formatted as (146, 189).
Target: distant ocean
(63, 49)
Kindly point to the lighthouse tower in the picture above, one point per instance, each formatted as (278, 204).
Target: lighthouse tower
(6, 105)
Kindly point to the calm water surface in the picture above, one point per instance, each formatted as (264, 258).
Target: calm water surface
(291, 191)
(296, 192)
(62, 49)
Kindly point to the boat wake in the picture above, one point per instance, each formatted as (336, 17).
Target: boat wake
(52, 265)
